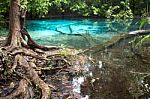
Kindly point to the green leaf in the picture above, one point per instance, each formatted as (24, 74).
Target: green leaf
(143, 22)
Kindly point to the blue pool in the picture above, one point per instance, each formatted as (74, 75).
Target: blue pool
(62, 32)
(93, 31)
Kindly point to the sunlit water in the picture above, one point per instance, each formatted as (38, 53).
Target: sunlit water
(76, 33)
(93, 31)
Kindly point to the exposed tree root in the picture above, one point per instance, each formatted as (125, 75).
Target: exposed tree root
(21, 90)
(25, 54)
(32, 74)
(29, 66)
(22, 59)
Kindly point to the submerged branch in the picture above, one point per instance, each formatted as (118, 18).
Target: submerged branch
(139, 32)
(116, 39)
(67, 33)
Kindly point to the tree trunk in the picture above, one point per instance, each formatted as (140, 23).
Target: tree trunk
(17, 44)
(14, 35)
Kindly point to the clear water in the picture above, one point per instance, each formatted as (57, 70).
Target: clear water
(93, 31)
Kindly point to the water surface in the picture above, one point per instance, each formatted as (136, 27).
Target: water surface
(116, 72)
(77, 33)
(62, 32)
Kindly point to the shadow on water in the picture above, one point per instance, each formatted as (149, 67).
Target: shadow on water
(115, 73)
(111, 71)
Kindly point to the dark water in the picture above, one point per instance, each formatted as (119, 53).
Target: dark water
(116, 73)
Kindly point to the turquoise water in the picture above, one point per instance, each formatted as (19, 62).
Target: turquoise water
(76, 33)
(93, 31)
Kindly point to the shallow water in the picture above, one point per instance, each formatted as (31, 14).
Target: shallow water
(90, 32)
(93, 31)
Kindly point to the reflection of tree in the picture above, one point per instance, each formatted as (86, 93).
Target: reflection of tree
(118, 25)
(110, 83)
(112, 77)
(116, 83)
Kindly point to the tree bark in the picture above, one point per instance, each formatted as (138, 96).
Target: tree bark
(14, 35)
(19, 48)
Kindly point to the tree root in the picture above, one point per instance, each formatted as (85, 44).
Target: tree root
(21, 90)
(25, 63)
(32, 44)
(20, 53)
(27, 52)
(21, 60)
(35, 78)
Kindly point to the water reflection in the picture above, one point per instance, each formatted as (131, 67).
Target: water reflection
(107, 83)
(117, 74)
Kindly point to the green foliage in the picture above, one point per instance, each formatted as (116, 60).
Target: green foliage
(95, 10)
(4, 6)
(141, 42)
(143, 22)
(81, 8)
(120, 11)
(110, 12)
(102, 8)
(140, 7)
(3, 9)
(2, 21)
(38, 7)
(60, 5)
(24, 4)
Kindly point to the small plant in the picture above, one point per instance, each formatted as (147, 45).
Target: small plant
(144, 22)
(144, 40)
